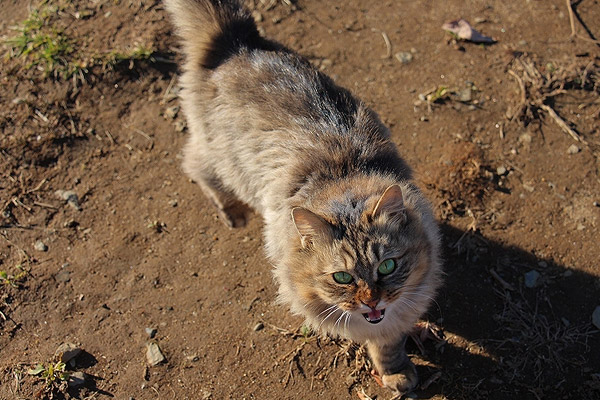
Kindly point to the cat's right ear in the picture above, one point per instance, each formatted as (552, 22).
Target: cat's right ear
(391, 205)
(310, 226)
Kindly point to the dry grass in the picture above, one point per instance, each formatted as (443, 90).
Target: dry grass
(540, 86)
(539, 347)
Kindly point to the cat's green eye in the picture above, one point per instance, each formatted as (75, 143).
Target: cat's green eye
(387, 267)
(342, 277)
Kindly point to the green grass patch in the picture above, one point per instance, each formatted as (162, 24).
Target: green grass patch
(15, 279)
(42, 43)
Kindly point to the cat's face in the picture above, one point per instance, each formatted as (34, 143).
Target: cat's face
(368, 275)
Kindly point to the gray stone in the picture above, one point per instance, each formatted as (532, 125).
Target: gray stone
(153, 354)
(63, 276)
(70, 197)
(404, 57)
(66, 352)
(465, 95)
(596, 317)
(40, 246)
(531, 278)
(501, 170)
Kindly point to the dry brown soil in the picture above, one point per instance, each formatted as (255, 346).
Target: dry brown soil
(146, 249)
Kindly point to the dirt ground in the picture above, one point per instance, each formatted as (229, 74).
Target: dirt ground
(137, 246)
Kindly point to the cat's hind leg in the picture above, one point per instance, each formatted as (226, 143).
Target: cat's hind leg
(197, 162)
(232, 212)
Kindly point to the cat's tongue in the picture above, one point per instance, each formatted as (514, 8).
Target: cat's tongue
(374, 316)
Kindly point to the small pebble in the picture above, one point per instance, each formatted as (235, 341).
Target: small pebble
(63, 276)
(525, 138)
(40, 246)
(258, 327)
(501, 170)
(596, 317)
(151, 332)
(529, 188)
(531, 278)
(573, 149)
(70, 223)
(404, 57)
(465, 95)
(171, 112)
(153, 354)
(180, 125)
(70, 197)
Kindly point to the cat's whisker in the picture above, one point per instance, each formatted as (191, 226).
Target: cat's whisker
(403, 301)
(325, 310)
(423, 295)
(337, 323)
(328, 315)
(347, 322)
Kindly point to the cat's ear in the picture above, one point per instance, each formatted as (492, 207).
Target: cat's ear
(390, 204)
(310, 226)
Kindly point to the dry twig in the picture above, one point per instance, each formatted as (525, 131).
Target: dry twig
(574, 34)
(538, 90)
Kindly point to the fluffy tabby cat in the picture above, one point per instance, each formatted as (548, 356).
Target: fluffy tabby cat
(353, 241)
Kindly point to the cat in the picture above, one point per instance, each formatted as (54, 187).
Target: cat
(354, 243)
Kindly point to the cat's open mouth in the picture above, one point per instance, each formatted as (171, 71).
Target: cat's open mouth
(374, 316)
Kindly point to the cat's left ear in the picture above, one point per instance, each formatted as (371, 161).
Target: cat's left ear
(391, 205)
(310, 226)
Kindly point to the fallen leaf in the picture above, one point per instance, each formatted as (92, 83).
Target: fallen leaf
(465, 31)
(37, 370)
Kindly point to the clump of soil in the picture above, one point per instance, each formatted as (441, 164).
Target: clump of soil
(462, 180)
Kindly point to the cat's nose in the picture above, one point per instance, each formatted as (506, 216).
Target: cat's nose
(371, 303)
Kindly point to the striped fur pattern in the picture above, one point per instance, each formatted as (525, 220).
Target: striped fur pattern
(270, 131)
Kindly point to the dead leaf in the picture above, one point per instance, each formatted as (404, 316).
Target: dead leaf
(465, 31)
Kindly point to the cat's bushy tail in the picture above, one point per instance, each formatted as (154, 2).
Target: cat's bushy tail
(213, 30)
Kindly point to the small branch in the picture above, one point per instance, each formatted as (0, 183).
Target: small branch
(574, 34)
(561, 123)
(571, 19)
(501, 281)
(521, 86)
(388, 43)
(38, 186)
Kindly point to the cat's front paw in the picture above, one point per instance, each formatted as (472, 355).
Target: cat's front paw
(403, 381)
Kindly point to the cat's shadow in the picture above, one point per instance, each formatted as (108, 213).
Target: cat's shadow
(518, 326)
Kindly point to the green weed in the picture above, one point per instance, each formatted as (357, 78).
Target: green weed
(42, 43)
(14, 280)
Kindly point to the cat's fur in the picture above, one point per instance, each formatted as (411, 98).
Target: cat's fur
(270, 131)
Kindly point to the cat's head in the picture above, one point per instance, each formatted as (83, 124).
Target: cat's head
(365, 267)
